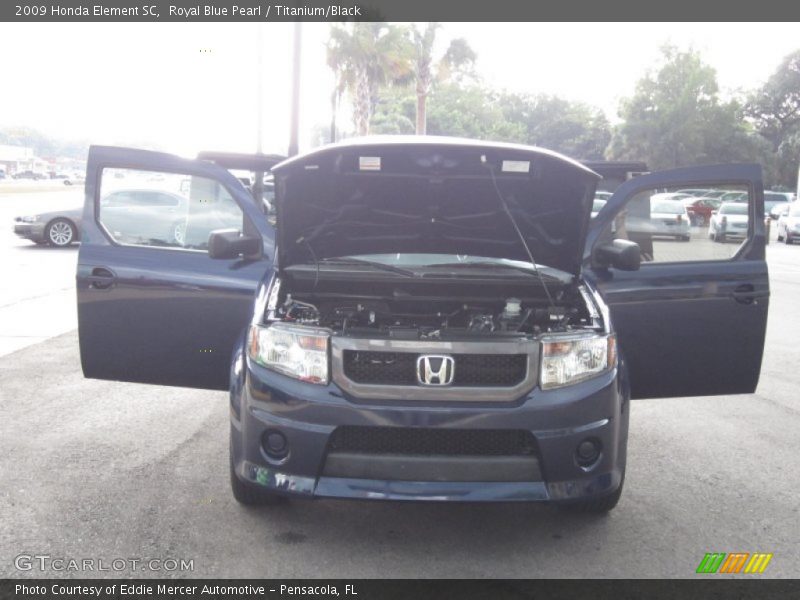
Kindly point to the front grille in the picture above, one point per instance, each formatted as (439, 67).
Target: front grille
(400, 368)
(427, 441)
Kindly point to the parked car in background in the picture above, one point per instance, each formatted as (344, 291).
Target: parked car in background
(159, 218)
(729, 222)
(27, 174)
(57, 228)
(668, 218)
(71, 178)
(139, 216)
(703, 193)
(774, 199)
(598, 204)
(602, 195)
(701, 209)
(789, 224)
(779, 210)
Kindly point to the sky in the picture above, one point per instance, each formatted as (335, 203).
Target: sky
(186, 87)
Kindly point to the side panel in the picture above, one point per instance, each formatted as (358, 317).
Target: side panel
(689, 327)
(162, 315)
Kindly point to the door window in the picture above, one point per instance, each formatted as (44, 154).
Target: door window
(165, 210)
(670, 226)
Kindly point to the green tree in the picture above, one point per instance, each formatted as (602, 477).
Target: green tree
(774, 110)
(676, 118)
(428, 69)
(572, 128)
(456, 110)
(365, 56)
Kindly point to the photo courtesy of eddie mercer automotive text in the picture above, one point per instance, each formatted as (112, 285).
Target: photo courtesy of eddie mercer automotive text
(420, 318)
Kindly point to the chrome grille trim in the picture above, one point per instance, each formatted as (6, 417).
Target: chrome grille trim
(420, 393)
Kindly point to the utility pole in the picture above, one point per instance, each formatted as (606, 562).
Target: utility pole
(294, 123)
(258, 184)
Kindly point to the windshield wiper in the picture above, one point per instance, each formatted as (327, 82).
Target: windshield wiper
(492, 265)
(368, 263)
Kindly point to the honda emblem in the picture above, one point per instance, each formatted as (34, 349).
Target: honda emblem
(435, 369)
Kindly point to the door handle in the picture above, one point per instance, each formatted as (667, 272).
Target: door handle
(747, 294)
(101, 278)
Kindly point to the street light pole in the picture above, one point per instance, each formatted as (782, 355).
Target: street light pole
(258, 184)
(294, 123)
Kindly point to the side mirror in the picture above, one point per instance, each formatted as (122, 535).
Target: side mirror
(620, 254)
(228, 243)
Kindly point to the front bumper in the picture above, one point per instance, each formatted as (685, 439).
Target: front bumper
(30, 231)
(307, 415)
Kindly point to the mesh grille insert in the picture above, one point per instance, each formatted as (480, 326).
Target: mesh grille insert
(427, 441)
(400, 368)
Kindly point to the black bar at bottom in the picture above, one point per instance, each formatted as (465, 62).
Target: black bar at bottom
(710, 587)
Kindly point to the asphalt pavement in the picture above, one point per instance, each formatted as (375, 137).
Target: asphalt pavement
(94, 470)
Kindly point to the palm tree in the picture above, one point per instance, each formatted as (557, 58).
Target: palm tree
(458, 56)
(365, 56)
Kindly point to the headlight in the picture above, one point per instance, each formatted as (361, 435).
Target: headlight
(29, 219)
(568, 359)
(296, 351)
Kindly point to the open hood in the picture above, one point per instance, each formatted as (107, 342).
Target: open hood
(432, 195)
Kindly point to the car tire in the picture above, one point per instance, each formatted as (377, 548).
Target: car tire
(60, 233)
(248, 494)
(719, 238)
(177, 234)
(789, 241)
(685, 238)
(780, 237)
(598, 505)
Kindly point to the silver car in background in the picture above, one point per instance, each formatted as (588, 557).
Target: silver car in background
(730, 221)
(668, 218)
(789, 224)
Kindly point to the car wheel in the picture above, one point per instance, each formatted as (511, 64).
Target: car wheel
(250, 494)
(780, 237)
(598, 505)
(178, 233)
(67, 182)
(719, 237)
(685, 238)
(60, 233)
(789, 240)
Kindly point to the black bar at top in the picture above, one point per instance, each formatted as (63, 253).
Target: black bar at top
(397, 10)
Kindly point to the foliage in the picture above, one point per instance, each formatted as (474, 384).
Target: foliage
(364, 57)
(572, 128)
(458, 58)
(43, 145)
(675, 117)
(774, 111)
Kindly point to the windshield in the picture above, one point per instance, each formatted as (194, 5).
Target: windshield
(670, 208)
(598, 204)
(733, 209)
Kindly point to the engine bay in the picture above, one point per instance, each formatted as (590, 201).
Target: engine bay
(419, 317)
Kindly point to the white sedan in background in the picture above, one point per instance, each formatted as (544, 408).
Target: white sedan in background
(730, 221)
(789, 224)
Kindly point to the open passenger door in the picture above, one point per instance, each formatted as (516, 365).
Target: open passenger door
(691, 320)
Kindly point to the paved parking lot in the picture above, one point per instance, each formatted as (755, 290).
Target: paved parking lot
(102, 470)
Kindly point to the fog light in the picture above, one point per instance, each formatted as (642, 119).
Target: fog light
(588, 452)
(275, 444)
